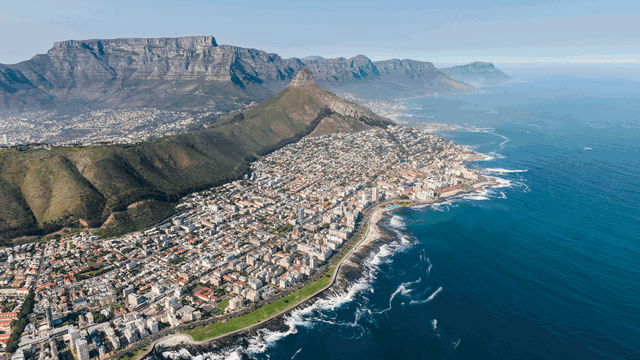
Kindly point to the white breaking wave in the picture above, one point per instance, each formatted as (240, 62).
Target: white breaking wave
(496, 155)
(490, 156)
(429, 268)
(230, 354)
(420, 206)
(503, 171)
(396, 222)
(502, 183)
(445, 205)
(588, 148)
(433, 296)
(476, 197)
(521, 184)
(434, 324)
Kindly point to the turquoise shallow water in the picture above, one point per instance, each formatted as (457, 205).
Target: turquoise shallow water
(545, 267)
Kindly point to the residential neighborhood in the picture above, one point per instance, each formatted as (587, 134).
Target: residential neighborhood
(96, 127)
(227, 249)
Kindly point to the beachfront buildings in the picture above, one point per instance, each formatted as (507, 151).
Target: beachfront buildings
(228, 247)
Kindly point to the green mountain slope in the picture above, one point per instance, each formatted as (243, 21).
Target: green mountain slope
(122, 188)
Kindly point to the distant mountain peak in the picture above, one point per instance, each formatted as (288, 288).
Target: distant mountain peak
(303, 79)
(312, 58)
(481, 64)
(477, 70)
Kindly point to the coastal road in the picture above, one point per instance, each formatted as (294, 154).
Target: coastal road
(172, 337)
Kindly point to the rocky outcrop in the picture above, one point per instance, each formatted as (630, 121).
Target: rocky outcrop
(192, 73)
(346, 108)
(303, 79)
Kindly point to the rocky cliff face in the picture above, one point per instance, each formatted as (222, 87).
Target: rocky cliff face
(404, 78)
(190, 72)
(303, 79)
(331, 71)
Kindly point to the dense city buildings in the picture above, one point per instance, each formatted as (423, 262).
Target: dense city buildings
(109, 126)
(227, 249)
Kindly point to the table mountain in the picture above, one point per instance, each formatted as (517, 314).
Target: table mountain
(192, 73)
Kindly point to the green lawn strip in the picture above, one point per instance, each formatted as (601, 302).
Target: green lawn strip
(136, 353)
(224, 303)
(94, 273)
(254, 317)
(347, 251)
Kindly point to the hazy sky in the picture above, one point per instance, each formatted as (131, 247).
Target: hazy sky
(439, 31)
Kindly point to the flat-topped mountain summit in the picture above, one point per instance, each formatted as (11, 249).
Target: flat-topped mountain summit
(123, 188)
(193, 73)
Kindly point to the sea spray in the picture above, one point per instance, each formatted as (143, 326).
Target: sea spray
(320, 310)
(503, 171)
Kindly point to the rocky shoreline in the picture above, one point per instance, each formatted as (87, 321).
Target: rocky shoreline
(353, 268)
(351, 271)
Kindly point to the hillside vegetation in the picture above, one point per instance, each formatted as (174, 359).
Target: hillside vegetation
(123, 188)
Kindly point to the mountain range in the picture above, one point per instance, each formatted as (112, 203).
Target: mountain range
(194, 73)
(121, 188)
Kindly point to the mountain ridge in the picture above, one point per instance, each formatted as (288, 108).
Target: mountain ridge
(191, 72)
(124, 188)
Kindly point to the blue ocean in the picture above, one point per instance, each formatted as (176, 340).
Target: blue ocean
(545, 266)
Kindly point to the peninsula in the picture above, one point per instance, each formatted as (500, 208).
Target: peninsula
(307, 175)
(236, 254)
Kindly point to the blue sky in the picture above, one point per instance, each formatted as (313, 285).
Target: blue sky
(439, 31)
